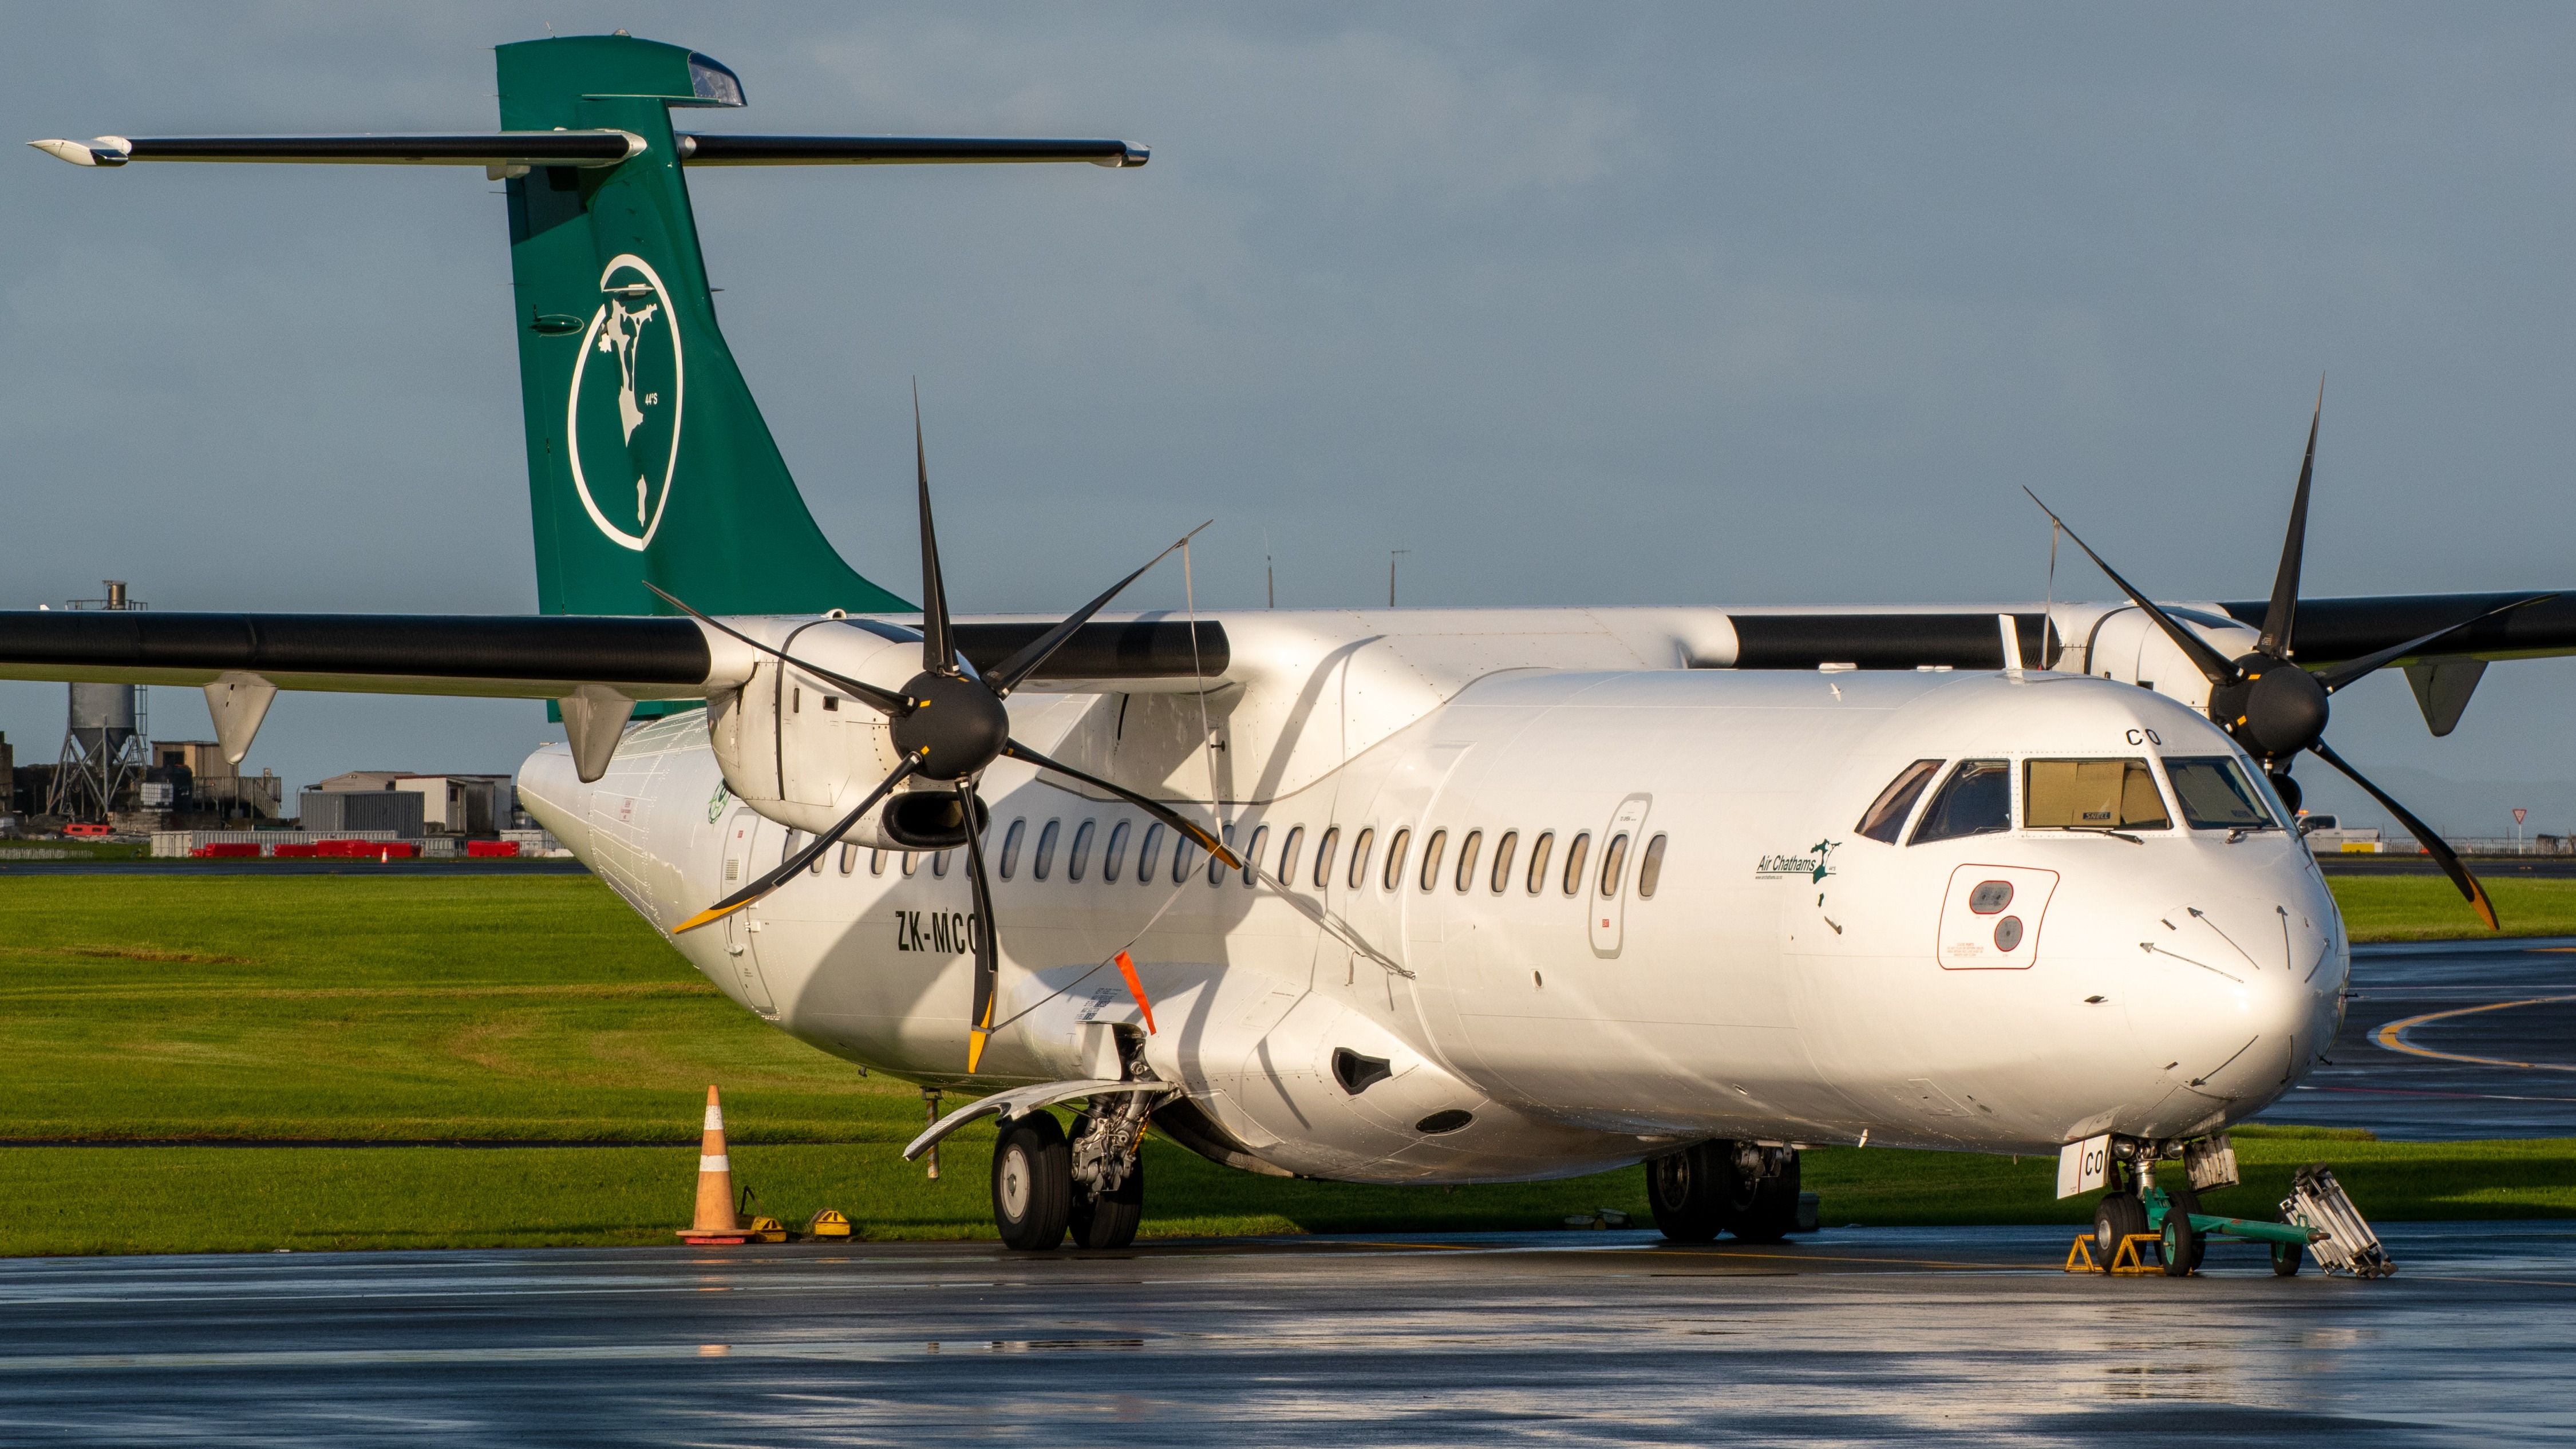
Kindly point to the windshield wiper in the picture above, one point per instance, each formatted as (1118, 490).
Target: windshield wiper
(2103, 830)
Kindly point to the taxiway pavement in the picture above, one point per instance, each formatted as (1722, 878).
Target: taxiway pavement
(2448, 1041)
(1967, 1336)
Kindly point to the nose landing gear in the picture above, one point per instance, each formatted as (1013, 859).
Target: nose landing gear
(1713, 1187)
(2135, 1212)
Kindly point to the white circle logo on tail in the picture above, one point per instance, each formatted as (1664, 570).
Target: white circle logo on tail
(622, 419)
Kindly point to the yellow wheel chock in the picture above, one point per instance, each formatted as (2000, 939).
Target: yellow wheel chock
(2129, 1259)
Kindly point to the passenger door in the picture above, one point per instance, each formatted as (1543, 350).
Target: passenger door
(1621, 845)
(751, 845)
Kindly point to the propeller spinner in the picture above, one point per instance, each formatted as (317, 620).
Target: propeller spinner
(949, 725)
(2277, 708)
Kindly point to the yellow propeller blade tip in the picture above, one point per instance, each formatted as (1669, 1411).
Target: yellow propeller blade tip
(975, 1049)
(709, 916)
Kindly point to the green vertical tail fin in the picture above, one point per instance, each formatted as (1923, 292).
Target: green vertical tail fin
(647, 457)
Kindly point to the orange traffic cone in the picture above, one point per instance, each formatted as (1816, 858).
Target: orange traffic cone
(714, 1221)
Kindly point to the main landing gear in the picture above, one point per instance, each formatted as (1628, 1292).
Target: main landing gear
(1711, 1187)
(1091, 1183)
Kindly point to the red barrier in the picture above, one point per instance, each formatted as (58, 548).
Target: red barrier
(295, 852)
(491, 849)
(227, 850)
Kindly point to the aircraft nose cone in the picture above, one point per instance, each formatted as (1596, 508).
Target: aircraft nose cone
(2268, 1002)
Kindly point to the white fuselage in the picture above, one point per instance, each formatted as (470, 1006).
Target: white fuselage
(1788, 980)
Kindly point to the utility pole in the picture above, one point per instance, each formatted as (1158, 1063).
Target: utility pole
(1391, 556)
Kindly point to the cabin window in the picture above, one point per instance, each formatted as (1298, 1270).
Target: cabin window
(1216, 871)
(1503, 848)
(1540, 849)
(1252, 855)
(815, 865)
(1288, 850)
(1614, 865)
(939, 864)
(876, 862)
(1361, 845)
(2091, 795)
(1116, 854)
(1149, 853)
(1650, 870)
(1046, 849)
(1468, 848)
(849, 859)
(1183, 856)
(1079, 857)
(1575, 851)
(1886, 817)
(912, 862)
(2215, 795)
(1324, 856)
(1435, 847)
(1011, 847)
(1975, 800)
(1396, 847)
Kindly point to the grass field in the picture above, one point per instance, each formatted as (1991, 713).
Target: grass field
(347, 1009)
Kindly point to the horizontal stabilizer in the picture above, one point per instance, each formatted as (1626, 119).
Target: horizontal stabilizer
(486, 148)
(594, 148)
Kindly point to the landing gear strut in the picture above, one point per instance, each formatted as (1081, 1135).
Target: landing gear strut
(1713, 1187)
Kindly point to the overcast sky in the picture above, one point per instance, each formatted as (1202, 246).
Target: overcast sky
(1582, 305)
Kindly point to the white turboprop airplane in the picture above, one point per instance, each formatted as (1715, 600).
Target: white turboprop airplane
(1420, 895)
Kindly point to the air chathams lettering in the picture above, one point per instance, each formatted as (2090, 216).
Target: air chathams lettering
(953, 933)
(1810, 864)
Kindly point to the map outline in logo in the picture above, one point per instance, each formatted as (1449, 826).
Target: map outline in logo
(625, 328)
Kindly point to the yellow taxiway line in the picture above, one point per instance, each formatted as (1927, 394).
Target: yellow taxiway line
(2393, 1035)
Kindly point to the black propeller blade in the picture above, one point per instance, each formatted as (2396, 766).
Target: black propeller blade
(884, 699)
(1155, 808)
(2434, 845)
(2284, 609)
(787, 868)
(938, 650)
(2212, 664)
(949, 725)
(1007, 675)
(988, 963)
(2276, 709)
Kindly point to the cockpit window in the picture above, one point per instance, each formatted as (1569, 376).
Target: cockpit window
(1886, 817)
(1975, 800)
(2091, 795)
(2216, 795)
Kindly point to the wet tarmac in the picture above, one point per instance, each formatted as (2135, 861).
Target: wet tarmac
(2451, 1040)
(1967, 1336)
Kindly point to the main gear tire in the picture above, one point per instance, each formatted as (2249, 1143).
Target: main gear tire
(1105, 1221)
(1032, 1183)
(2185, 1199)
(1765, 1209)
(1687, 1191)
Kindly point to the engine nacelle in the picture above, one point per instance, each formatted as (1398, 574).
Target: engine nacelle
(2124, 644)
(801, 751)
